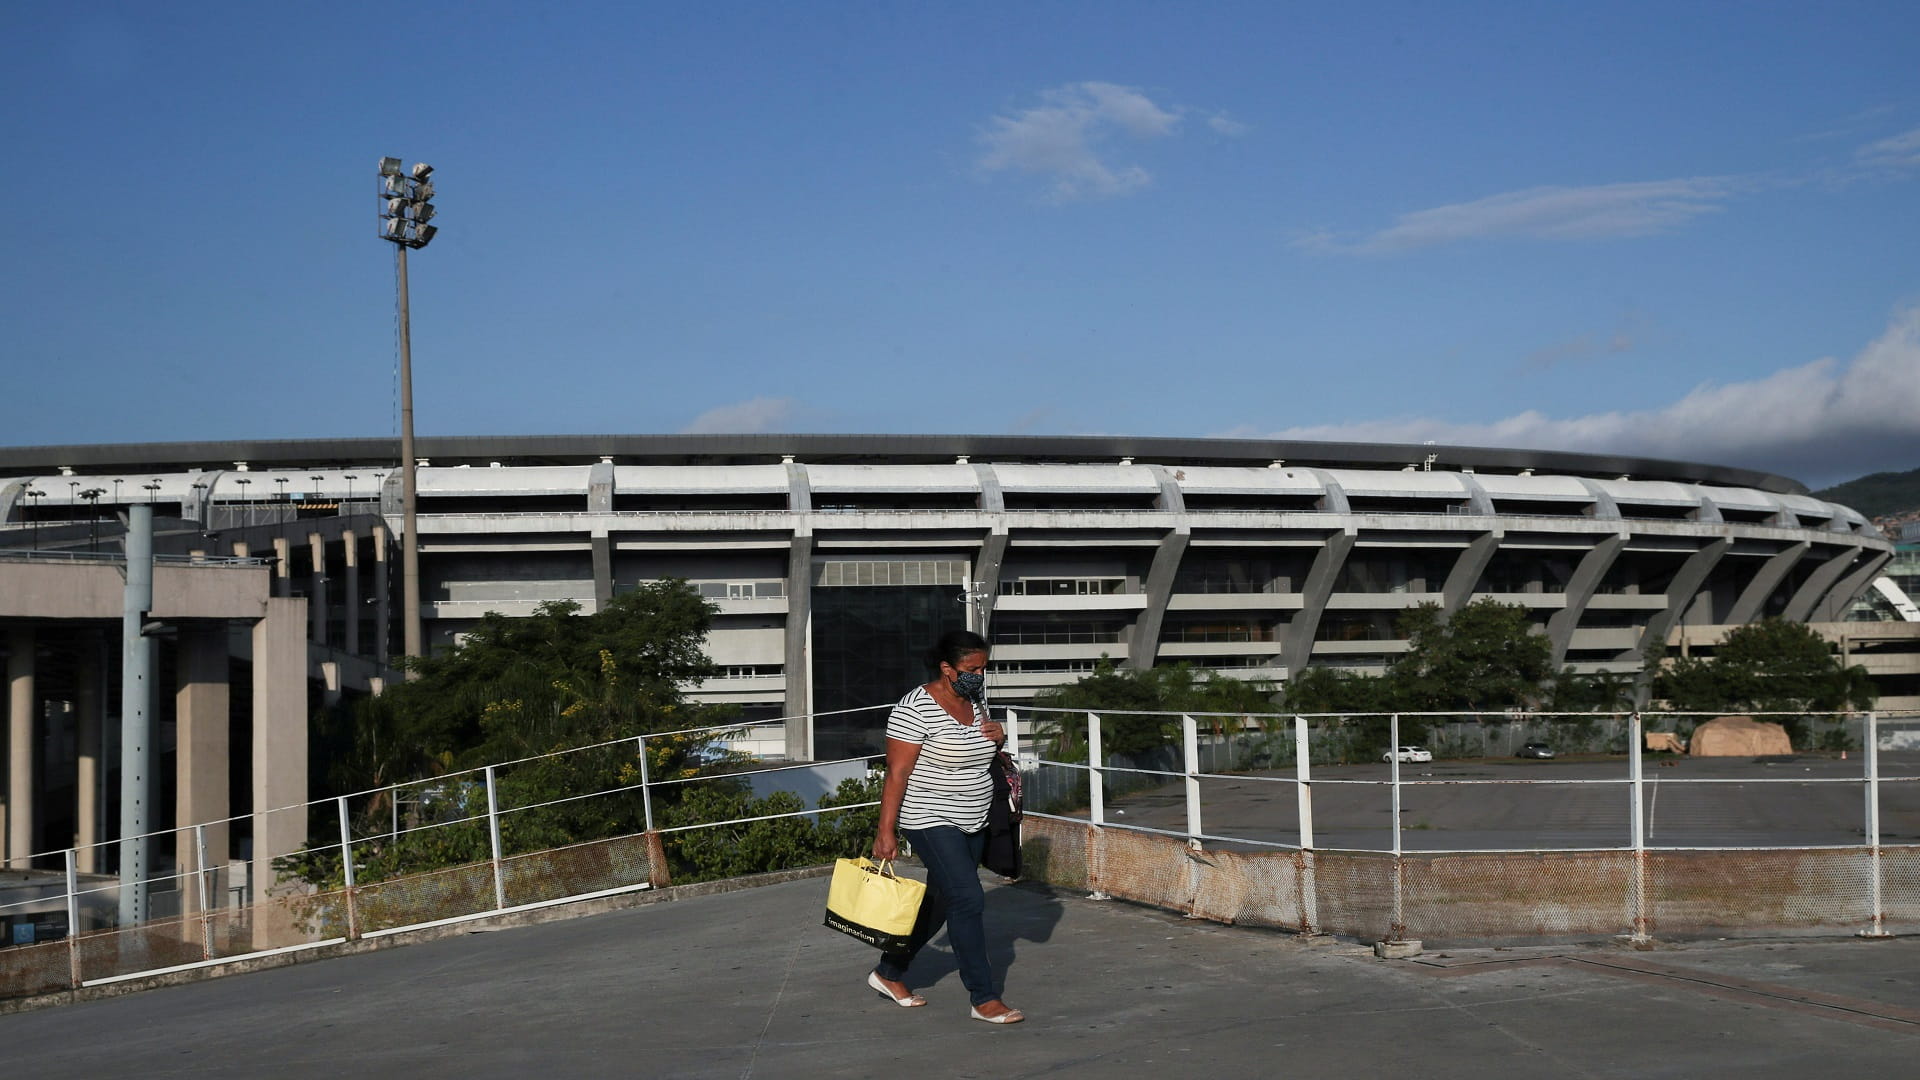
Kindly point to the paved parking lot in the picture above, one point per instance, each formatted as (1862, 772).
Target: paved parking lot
(1578, 803)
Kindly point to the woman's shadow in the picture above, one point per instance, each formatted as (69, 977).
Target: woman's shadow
(1017, 911)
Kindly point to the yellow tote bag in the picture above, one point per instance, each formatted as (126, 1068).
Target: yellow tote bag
(868, 902)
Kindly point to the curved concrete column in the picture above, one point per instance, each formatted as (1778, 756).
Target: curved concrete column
(1580, 589)
(1467, 571)
(1800, 605)
(993, 549)
(1833, 606)
(799, 670)
(1333, 497)
(1478, 501)
(1604, 508)
(1747, 607)
(1682, 593)
(1143, 647)
(1298, 647)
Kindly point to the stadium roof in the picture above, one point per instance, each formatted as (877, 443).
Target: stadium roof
(856, 449)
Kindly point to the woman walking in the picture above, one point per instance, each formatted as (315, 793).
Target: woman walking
(940, 742)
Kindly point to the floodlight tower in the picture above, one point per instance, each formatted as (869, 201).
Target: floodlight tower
(405, 209)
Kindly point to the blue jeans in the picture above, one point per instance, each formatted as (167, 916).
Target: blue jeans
(954, 897)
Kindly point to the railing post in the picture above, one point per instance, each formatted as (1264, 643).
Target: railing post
(493, 836)
(1096, 776)
(646, 793)
(1397, 928)
(1096, 809)
(1190, 737)
(346, 869)
(1303, 787)
(73, 921)
(1877, 926)
(1642, 921)
(206, 899)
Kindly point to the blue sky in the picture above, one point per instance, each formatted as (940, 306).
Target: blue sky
(1683, 230)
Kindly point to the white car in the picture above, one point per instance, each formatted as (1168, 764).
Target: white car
(1408, 753)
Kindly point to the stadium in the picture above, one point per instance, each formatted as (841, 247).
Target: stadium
(830, 560)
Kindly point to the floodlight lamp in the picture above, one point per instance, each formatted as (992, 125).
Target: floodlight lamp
(391, 186)
(423, 235)
(396, 208)
(423, 212)
(422, 170)
(389, 166)
(393, 228)
(423, 189)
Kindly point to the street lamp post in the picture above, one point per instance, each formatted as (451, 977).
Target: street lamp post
(36, 495)
(92, 495)
(405, 210)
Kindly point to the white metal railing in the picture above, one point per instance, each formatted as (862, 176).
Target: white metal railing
(464, 811)
(95, 904)
(1636, 838)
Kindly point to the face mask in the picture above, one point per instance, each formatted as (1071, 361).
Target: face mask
(971, 685)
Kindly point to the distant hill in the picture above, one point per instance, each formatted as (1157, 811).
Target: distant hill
(1881, 494)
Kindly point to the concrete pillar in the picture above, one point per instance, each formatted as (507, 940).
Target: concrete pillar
(22, 822)
(90, 722)
(317, 592)
(1833, 607)
(203, 752)
(1580, 589)
(1297, 650)
(279, 745)
(799, 624)
(350, 554)
(1143, 650)
(241, 550)
(282, 567)
(1800, 605)
(602, 569)
(1467, 570)
(382, 598)
(1754, 597)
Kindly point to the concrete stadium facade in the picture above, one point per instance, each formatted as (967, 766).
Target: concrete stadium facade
(830, 559)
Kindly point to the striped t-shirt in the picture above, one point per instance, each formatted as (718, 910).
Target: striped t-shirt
(949, 784)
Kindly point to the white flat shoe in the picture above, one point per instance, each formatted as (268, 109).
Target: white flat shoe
(1011, 1016)
(905, 1001)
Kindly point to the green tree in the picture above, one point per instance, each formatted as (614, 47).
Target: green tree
(1173, 688)
(524, 688)
(1770, 666)
(1321, 689)
(1486, 656)
(1601, 691)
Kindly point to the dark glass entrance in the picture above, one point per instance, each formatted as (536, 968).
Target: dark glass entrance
(868, 643)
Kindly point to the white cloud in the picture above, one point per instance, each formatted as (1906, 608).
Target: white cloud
(1546, 213)
(1820, 423)
(742, 418)
(1226, 125)
(1061, 139)
(1897, 151)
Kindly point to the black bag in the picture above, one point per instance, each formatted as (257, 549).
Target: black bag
(1002, 853)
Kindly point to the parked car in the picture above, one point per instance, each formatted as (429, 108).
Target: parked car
(1408, 753)
(1534, 750)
